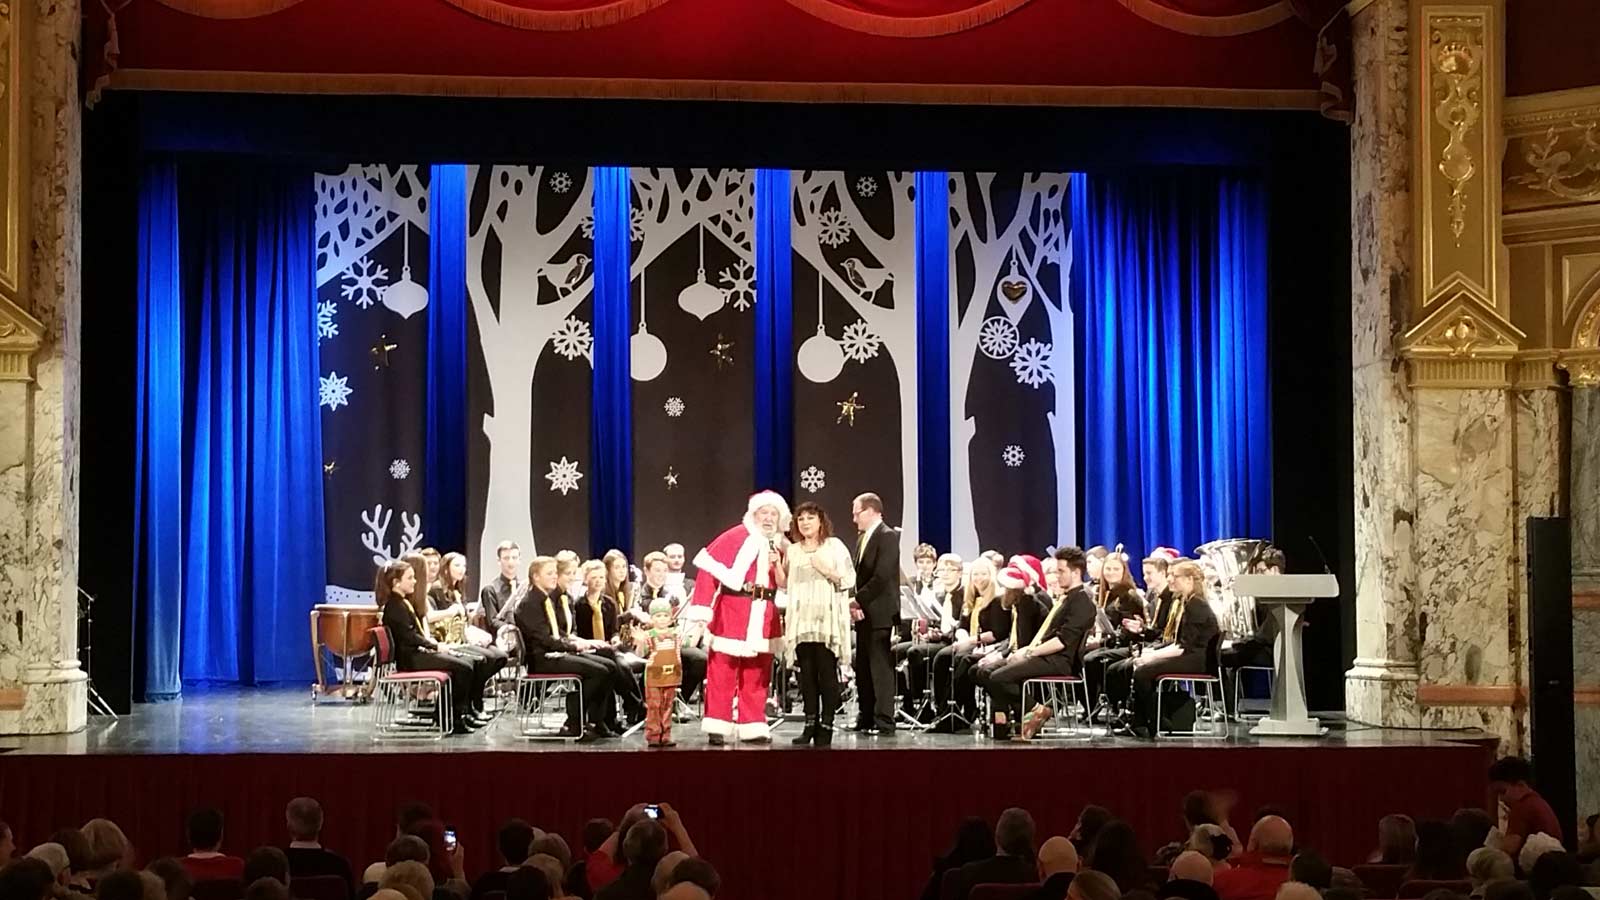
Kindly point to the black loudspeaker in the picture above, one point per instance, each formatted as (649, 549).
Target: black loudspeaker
(1550, 666)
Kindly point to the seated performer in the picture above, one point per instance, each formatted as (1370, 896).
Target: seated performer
(942, 604)
(1255, 649)
(1021, 580)
(1196, 627)
(1056, 647)
(982, 620)
(485, 662)
(595, 619)
(619, 585)
(496, 595)
(446, 595)
(546, 625)
(1118, 598)
(396, 592)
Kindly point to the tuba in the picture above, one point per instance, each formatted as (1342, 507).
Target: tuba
(1225, 560)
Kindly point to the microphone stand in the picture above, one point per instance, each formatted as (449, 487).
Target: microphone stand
(97, 704)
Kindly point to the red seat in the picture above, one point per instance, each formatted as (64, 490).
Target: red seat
(1382, 879)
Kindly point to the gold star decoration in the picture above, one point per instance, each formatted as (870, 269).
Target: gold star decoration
(849, 408)
(720, 350)
(380, 352)
(330, 467)
(671, 478)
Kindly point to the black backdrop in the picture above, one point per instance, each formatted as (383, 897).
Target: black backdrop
(1305, 158)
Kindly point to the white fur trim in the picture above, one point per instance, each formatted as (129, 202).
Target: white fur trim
(723, 727)
(696, 614)
(767, 498)
(751, 730)
(707, 563)
(755, 629)
(782, 600)
(745, 649)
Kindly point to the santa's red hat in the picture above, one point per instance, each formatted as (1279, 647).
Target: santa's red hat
(1167, 553)
(1013, 578)
(767, 498)
(1031, 567)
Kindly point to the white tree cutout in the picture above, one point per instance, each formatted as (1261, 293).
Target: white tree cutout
(998, 252)
(889, 310)
(359, 208)
(721, 200)
(376, 537)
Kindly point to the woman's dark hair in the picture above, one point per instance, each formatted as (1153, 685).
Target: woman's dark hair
(528, 883)
(824, 524)
(974, 840)
(1471, 827)
(1090, 821)
(389, 575)
(1197, 809)
(27, 879)
(1397, 840)
(431, 831)
(1115, 852)
(1439, 857)
(419, 595)
(1554, 869)
(595, 832)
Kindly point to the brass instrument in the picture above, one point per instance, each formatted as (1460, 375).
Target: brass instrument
(1226, 560)
(449, 630)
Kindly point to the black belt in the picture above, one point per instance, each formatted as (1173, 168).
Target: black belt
(755, 593)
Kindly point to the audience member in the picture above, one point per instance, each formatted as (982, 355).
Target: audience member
(206, 861)
(1487, 864)
(109, 850)
(1191, 865)
(445, 863)
(1536, 846)
(1346, 880)
(530, 883)
(697, 871)
(553, 845)
(27, 879)
(1397, 841)
(266, 862)
(1554, 869)
(1092, 885)
(514, 843)
(606, 864)
(408, 875)
(307, 857)
(1589, 840)
(1308, 867)
(1524, 811)
(406, 815)
(685, 891)
(1215, 844)
(154, 887)
(121, 884)
(173, 875)
(595, 833)
(1058, 863)
(1440, 857)
(54, 856)
(266, 889)
(1510, 889)
(1013, 861)
(1471, 827)
(78, 858)
(1115, 851)
(974, 840)
(662, 879)
(551, 867)
(1264, 867)
(642, 847)
(1297, 890)
(1090, 820)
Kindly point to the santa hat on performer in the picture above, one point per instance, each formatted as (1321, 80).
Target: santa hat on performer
(1031, 568)
(767, 498)
(1012, 578)
(1167, 553)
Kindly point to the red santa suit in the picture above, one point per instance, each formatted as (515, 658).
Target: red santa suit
(744, 629)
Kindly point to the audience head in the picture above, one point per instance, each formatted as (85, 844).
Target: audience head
(1510, 777)
(304, 818)
(54, 856)
(431, 831)
(974, 840)
(1197, 809)
(1510, 889)
(406, 848)
(685, 891)
(554, 846)
(699, 873)
(1346, 880)
(1057, 855)
(662, 879)
(1552, 870)
(515, 841)
(1297, 890)
(1092, 885)
(1271, 836)
(645, 843)
(1471, 827)
(1013, 833)
(409, 874)
(554, 872)
(530, 883)
(1211, 842)
(410, 813)
(595, 832)
(266, 889)
(123, 884)
(1487, 864)
(1116, 852)
(77, 846)
(1397, 839)
(154, 887)
(1191, 865)
(266, 862)
(30, 878)
(174, 876)
(1439, 856)
(205, 829)
(1090, 820)
(108, 846)
(1308, 867)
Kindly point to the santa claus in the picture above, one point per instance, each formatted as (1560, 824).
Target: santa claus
(736, 598)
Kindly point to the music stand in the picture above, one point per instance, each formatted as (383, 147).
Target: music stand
(1286, 597)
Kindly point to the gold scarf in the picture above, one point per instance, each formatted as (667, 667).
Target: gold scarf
(1016, 613)
(596, 619)
(1039, 637)
(550, 616)
(1175, 619)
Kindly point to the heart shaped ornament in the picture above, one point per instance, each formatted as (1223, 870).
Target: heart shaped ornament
(1016, 292)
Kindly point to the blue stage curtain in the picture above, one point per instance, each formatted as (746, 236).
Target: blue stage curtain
(611, 427)
(1173, 342)
(774, 362)
(444, 476)
(158, 455)
(933, 357)
(252, 536)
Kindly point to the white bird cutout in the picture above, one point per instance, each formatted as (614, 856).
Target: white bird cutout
(565, 276)
(864, 278)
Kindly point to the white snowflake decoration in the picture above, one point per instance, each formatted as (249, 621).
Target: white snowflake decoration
(326, 326)
(333, 391)
(363, 282)
(561, 182)
(997, 338)
(573, 339)
(866, 185)
(833, 228)
(636, 225)
(813, 479)
(564, 476)
(399, 469)
(1032, 364)
(858, 342)
(739, 282)
(674, 407)
(1012, 456)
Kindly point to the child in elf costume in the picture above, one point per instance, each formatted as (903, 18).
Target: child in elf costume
(663, 674)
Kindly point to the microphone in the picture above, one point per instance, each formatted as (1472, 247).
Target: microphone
(1326, 570)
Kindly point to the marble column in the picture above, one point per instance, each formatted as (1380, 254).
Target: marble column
(42, 688)
(1584, 472)
(1381, 688)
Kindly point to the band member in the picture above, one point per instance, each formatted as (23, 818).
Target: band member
(1123, 621)
(663, 673)
(403, 609)
(1196, 629)
(817, 624)
(940, 627)
(983, 619)
(1021, 580)
(1053, 587)
(1255, 649)
(1056, 647)
(1096, 557)
(497, 594)
(484, 664)
(1158, 598)
(875, 610)
(618, 584)
(594, 612)
(568, 577)
(545, 622)
(735, 597)
(926, 560)
(595, 619)
(677, 572)
(447, 594)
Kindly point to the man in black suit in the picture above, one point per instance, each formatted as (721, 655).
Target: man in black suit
(1013, 860)
(545, 622)
(875, 610)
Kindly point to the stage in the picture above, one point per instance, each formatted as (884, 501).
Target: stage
(863, 819)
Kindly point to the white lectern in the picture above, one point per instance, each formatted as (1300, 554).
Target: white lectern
(1287, 597)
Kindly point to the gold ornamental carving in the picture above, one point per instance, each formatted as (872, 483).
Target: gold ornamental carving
(1565, 163)
(1456, 54)
(20, 337)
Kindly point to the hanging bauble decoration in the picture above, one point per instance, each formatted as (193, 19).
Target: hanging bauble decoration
(647, 354)
(701, 299)
(405, 296)
(820, 359)
(1014, 292)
